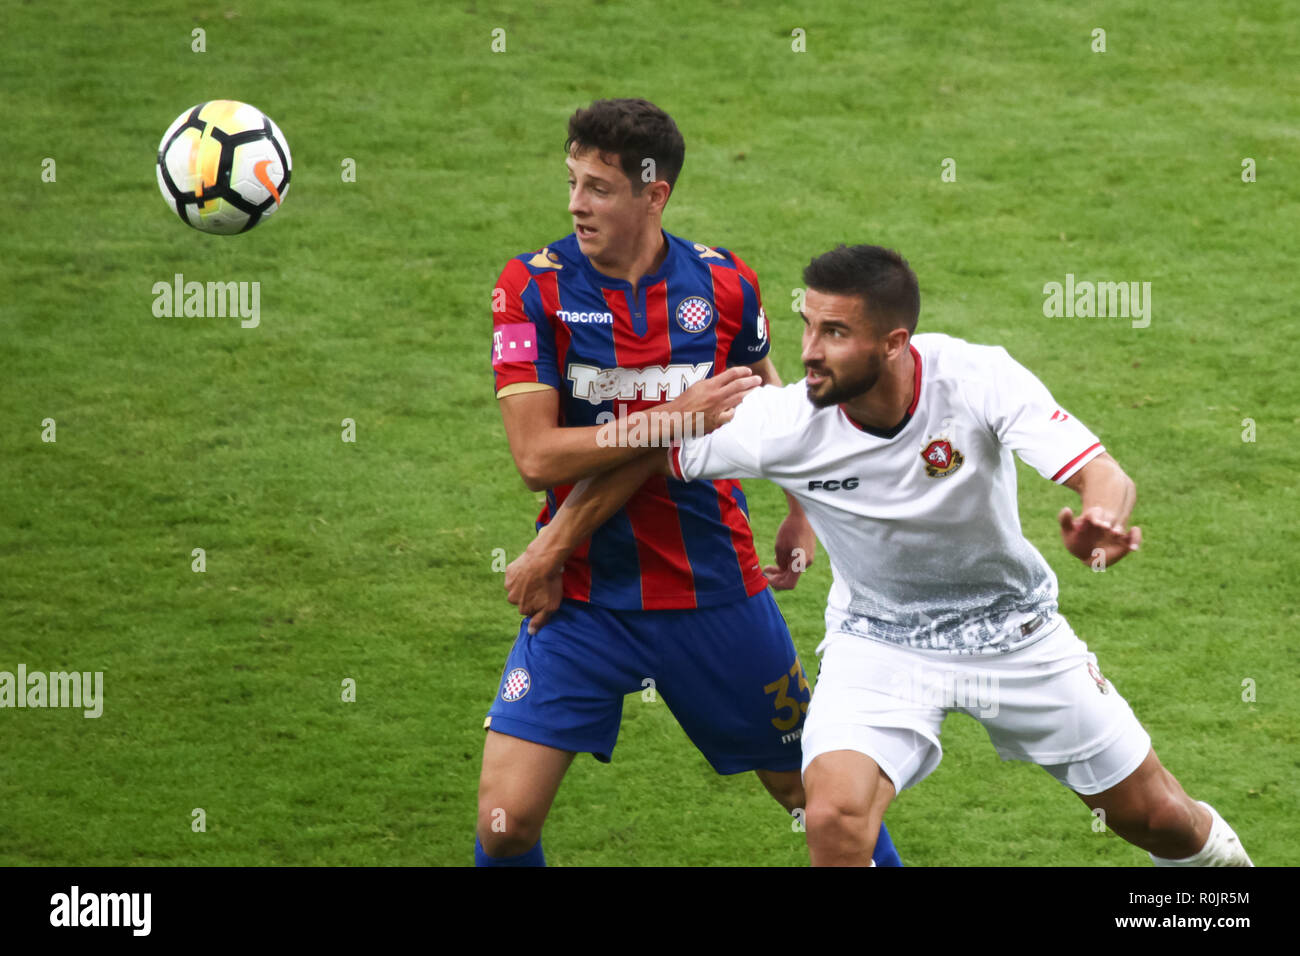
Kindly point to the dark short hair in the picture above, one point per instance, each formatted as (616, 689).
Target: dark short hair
(634, 130)
(881, 277)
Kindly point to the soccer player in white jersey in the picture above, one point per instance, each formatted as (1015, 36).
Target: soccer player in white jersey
(899, 448)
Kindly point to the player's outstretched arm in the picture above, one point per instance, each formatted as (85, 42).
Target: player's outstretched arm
(1107, 497)
(549, 454)
(533, 580)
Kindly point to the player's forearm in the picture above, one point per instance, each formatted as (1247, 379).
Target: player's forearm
(593, 502)
(1103, 484)
(564, 455)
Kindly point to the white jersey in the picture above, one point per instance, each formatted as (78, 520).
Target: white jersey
(920, 522)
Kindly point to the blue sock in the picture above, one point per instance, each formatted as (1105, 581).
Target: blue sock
(532, 857)
(885, 854)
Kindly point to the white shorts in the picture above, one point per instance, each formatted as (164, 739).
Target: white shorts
(1046, 703)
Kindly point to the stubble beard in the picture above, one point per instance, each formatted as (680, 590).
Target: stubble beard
(838, 391)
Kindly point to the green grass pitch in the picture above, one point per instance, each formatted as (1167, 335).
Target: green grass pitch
(373, 560)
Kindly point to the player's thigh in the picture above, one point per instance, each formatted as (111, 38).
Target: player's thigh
(1049, 704)
(518, 782)
(563, 687)
(865, 702)
(1148, 799)
(734, 681)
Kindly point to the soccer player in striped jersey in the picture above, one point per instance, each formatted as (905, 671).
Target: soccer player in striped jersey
(900, 449)
(614, 337)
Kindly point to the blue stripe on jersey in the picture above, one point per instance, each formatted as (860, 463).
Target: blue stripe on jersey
(712, 556)
(739, 353)
(691, 347)
(546, 358)
(615, 565)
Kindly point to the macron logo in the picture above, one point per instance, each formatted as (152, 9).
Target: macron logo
(102, 909)
(590, 318)
(654, 382)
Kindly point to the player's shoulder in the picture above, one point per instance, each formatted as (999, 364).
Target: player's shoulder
(555, 257)
(785, 409)
(948, 357)
(703, 256)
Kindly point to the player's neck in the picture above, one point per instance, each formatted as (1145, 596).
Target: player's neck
(886, 404)
(647, 256)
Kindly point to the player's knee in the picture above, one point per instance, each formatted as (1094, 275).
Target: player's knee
(506, 830)
(831, 818)
(502, 833)
(1170, 815)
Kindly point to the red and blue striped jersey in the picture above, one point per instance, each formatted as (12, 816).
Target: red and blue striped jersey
(559, 323)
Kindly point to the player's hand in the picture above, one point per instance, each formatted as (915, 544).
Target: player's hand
(796, 547)
(535, 587)
(1096, 529)
(714, 399)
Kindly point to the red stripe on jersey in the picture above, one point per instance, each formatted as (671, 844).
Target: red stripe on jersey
(1073, 460)
(661, 551)
(513, 281)
(639, 351)
(729, 300)
(742, 537)
(576, 573)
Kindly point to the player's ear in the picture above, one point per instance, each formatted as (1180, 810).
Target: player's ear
(659, 191)
(896, 342)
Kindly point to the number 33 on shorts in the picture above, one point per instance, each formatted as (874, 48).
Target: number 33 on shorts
(784, 702)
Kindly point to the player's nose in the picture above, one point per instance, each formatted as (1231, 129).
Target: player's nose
(811, 352)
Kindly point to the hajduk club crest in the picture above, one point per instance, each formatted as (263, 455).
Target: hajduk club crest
(941, 459)
(516, 684)
(694, 314)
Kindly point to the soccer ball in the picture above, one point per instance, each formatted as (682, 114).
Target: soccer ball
(223, 166)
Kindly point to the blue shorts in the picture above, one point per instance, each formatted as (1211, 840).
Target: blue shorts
(729, 674)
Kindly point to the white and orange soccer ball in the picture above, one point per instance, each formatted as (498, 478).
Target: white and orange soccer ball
(223, 166)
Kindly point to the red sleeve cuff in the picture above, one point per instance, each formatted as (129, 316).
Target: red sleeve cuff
(1070, 466)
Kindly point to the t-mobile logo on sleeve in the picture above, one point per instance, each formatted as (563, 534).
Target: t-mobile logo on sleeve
(514, 342)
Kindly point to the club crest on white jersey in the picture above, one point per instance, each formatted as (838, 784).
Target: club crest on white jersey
(941, 459)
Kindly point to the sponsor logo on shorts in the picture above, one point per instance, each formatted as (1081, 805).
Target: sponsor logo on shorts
(694, 314)
(1103, 685)
(941, 459)
(516, 684)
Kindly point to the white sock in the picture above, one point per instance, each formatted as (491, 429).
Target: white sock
(1222, 847)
